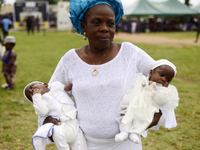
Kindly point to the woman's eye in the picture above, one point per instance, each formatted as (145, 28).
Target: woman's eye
(111, 24)
(161, 74)
(96, 22)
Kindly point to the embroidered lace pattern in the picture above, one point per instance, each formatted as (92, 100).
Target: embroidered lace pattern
(97, 97)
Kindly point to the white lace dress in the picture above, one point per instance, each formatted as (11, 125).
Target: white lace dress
(98, 97)
(142, 101)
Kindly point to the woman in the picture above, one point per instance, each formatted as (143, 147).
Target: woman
(100, 72)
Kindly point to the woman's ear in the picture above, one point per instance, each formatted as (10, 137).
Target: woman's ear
(83, 26)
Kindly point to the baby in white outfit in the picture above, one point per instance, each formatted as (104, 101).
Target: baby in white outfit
(147, 96)
(54, 101)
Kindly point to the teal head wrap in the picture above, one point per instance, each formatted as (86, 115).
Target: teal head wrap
(79, 7)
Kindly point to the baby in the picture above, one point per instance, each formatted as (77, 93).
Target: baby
(54, 101)
(146, 97)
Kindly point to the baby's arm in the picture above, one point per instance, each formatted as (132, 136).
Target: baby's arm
(40, 107)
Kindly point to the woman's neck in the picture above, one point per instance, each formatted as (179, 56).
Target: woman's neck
(98, 51)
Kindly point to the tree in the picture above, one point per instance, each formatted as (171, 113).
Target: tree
(187, 2)
(1, 2)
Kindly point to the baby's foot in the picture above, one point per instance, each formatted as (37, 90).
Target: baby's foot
(122, 136)
(134, 138)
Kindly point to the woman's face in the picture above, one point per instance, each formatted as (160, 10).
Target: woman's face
(99, 26)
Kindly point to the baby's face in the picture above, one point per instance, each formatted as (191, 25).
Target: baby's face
(162, 74)
(35, 88)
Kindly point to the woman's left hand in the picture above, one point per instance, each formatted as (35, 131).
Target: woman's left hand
(155, 119)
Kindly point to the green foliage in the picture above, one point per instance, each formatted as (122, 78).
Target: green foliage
(1, 2)
(38, 56)
(187, 2)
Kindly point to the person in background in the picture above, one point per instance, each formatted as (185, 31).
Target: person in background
(198, 30)
(6, 23)
(37, 23)
(9, 62)
(1, 39)
(30, 24)
(100, 72)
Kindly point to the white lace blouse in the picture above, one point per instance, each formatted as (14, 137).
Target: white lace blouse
(98, 97)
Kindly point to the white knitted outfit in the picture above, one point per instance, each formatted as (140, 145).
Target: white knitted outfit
(142, 101)
(98, 97)
(58, 104)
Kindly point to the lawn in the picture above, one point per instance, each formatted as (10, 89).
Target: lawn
(175, 34)
(38, 56)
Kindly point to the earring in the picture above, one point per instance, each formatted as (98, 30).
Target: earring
(84, 37)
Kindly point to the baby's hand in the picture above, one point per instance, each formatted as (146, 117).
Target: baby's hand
(68, 87)
(37, 91)
(150, 82)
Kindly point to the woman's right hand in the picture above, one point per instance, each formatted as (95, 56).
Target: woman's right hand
(49, 119)
(68, 87)
(55, 121)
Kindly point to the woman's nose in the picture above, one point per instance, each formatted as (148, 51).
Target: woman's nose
(104, 27)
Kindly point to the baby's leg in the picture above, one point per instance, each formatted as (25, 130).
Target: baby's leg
(59, 137)
(123, 135)
(134, 137)
(79, 143)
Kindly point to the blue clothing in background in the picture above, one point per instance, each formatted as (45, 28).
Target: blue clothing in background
(6, 22)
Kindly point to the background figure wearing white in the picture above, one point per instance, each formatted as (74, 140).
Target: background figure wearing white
(54, 101)
(147, 96)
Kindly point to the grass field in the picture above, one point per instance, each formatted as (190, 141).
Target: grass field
(38, 56)
(174, 35)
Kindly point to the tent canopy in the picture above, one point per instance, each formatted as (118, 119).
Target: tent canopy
(141, 8)
(174, 8)
(164, 8)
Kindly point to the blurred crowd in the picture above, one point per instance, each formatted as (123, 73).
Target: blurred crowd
(130, 25)
(158, 24)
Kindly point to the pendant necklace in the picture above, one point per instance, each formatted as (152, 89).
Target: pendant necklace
(95, 71)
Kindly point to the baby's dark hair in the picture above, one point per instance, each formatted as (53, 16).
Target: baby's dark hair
(28, 97)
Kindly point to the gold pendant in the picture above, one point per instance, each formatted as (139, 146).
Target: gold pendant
(95, 71)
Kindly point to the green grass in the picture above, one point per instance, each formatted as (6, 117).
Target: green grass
(38, 56)
(174, 35)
